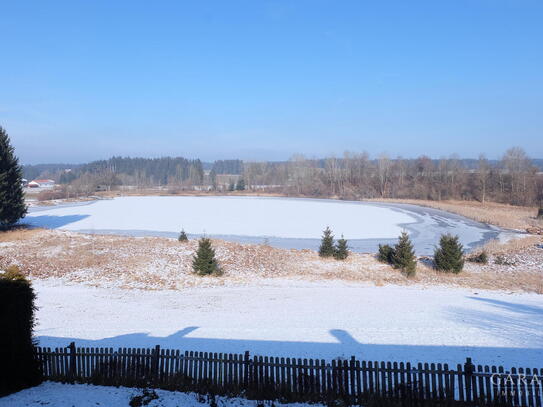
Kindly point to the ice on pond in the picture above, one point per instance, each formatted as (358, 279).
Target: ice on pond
(283, 222)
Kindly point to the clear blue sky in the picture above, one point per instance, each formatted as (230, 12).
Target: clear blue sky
(82, 80)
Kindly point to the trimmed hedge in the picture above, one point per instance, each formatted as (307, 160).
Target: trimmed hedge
(19, 367)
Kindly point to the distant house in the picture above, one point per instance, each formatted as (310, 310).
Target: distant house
(41, 183)
(24, 182)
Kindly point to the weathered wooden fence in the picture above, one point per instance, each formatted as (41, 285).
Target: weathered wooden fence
(292, 379)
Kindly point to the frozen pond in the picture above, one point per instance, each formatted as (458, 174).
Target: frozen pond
(282, 222)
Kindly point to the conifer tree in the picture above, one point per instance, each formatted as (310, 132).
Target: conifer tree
(240, 186)
(12, 205)
(327, 248)
(183, 236)
(449, 256)
(231, 186)
(540, 213)
(342, 249)
(386, 253)
(404, 255)
(204, 262)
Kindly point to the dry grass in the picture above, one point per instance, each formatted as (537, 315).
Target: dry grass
(506, 216)
(159, 263)
(18, 234)
(513, 246)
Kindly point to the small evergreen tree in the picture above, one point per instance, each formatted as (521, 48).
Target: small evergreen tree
(183, 236)
(449, 256)
(540, 213)
(342, 249)
(404, 255)
(204, 262)
(327, 248)
(240, 186)
(231, 186)
(12, 204)
(386, 253)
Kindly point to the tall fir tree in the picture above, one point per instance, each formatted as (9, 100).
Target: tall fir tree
(12, 204)
(204, 262)
(327, 248)
(342, 249)
(404, 255)
(449, 256)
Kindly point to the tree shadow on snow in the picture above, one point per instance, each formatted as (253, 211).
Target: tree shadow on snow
(52, 221)
(342, 345)
(506, 320)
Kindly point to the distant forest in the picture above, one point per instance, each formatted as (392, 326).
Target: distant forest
(515, 179)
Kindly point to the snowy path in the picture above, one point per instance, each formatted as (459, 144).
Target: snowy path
(284, 222)
(302, 319)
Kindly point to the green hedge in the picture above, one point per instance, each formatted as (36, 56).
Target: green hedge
(19, 367)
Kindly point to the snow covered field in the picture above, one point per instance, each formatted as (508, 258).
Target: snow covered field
(286, 222)
(81, 395)
(301, 319)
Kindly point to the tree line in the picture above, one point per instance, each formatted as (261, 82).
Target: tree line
(515, 178)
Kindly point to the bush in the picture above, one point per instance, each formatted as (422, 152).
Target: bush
(449, 256)
(183, 236)
(342, 250)
(503, 261)
(481, 258)
(386, 253)
(144, 399)
(540, 213)
(403, 257)
(327, 248)
(19, 367)
(204, 262)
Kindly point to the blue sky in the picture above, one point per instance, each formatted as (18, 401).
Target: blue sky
(83, 80)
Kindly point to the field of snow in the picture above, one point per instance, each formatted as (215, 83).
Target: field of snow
(301, 319)
(285, 222)
(81, 395)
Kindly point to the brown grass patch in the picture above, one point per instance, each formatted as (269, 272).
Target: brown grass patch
(506, 216)
(159, 263)
(18, 234)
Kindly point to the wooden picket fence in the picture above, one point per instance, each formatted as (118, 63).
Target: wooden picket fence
(292, 379)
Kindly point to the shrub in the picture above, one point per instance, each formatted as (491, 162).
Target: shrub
(342, 249)
(204, 262)
(481, 258)
(327, 248)
(240, 186)
(386, 253)
(144, 399)
(449, 256)
(19, 367)
(540, 213)
(183, 236)
(503, 261)
(403, 257)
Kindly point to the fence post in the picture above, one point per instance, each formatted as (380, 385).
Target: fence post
(468, 374)
(154, 363)
(247, 373)
(71, 373)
